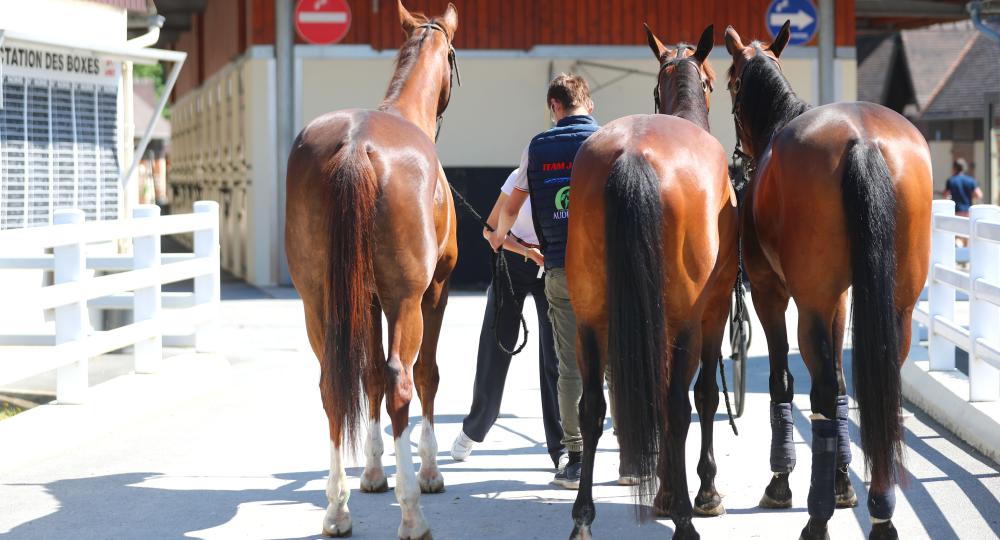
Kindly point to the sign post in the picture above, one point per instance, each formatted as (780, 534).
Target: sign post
(322, 22)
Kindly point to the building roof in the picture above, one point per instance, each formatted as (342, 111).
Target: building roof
(962, 94)
(875, 69)
(932, 54)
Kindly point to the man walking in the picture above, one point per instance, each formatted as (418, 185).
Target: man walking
(962, 188)
(545, 170)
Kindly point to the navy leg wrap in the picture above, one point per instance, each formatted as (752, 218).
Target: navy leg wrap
(843, 436)
(882, 505)
(824, 450)
(782, 446)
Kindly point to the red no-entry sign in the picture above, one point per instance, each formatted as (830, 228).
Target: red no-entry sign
(322, 22)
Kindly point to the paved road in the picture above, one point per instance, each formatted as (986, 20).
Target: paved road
(234, 446)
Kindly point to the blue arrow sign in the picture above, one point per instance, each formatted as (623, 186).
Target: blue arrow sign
(801, 14)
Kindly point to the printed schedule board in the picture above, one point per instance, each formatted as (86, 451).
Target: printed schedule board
(59, 135)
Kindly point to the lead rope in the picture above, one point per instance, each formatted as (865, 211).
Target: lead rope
(500, 276)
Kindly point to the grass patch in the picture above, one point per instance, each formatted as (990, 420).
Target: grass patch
(7, 410)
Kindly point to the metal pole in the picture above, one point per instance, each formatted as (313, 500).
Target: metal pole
(826, 50)
(284, 65)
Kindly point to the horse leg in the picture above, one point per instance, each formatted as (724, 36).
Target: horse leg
(427, 378)
(405, 334)
(373, 480)
(592, 409)
(708, 502)
(337, 520)
(816, 344)
(684, 353)
(843, 491)
(770, 300)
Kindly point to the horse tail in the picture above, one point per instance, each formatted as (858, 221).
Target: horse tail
(870, 211)
(636, 325)
(352, 190)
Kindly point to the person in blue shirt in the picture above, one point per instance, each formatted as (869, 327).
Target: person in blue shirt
(962, 188)
(544, 173)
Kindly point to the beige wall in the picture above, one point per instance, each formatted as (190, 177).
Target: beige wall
(501, 102)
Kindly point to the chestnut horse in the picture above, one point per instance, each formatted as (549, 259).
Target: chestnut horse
(651, 198)
(370, 230)
(840, 198)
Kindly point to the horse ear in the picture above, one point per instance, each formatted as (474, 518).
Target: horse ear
(405, 19)
(705, 44)
(733, 42)
(781, 40)
(451, 19)
(654, 44)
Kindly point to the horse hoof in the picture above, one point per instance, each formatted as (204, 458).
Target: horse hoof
(581, 532)
(431, 483)
(767, 502)
(661, 506)
(685, 531)
(425, 536)
(845, 496)
(374, 483)
(815, 531)
(711, 508)
(883, 531)
(338, 530)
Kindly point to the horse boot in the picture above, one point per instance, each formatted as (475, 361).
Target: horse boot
(778, 494)
(881, 507)
(843, 490)
(821, 495)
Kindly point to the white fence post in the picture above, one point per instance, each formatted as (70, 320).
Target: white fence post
(71, 319)
(984, 317)
(147, 301)
(941, 297)
(207, 288)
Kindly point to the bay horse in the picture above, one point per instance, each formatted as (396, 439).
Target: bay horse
(651, 199)
(840, 197)
(370, 230)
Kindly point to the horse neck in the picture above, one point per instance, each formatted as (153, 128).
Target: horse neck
(689, 101)
(774, 107)
(415, 89)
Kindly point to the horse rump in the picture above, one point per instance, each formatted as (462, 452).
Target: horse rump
(352, 190)
(870, 211)
(636, 322)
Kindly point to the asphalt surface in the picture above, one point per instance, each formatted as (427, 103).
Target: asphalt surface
(234, 445)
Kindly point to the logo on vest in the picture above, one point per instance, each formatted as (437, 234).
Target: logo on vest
(562, 203)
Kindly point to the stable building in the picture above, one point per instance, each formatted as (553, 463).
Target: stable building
(252, 83)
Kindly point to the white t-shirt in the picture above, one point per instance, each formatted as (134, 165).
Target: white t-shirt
(524, 226)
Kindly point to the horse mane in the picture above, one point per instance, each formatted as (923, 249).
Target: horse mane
(766, 102)
(690, 101)
(405, 60)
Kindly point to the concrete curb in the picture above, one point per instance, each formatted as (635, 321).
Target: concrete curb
(944, 396)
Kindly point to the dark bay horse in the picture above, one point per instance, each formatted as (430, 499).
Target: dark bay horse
(371, 230)
(651, 198)
(840, 197)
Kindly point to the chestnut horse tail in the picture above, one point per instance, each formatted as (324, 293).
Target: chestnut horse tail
(636, 326)
(870, 211)
(352, 190)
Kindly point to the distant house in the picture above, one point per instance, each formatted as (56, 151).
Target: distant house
(939, 77)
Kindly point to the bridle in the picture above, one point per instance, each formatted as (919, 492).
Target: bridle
(454, 77)
(674, 62)
(736, 86)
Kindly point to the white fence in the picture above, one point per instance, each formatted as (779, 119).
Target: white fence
(75, 290)
(982, 285)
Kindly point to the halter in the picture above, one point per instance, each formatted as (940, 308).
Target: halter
(737, 87)
(673, 62)
(455, 76)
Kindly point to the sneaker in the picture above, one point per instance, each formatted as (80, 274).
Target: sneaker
(462, 447)
(569, 476)
(563, 460)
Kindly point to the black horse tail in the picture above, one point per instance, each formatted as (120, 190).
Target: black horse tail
(870, 212)
(353, 192)
(636, 326)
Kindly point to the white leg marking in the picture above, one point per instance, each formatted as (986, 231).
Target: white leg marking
(431, 480)
(373, 479)
(338, 517)
(413, 524)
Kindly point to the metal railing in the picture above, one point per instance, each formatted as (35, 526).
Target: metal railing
(135, 284)
(981, 339)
